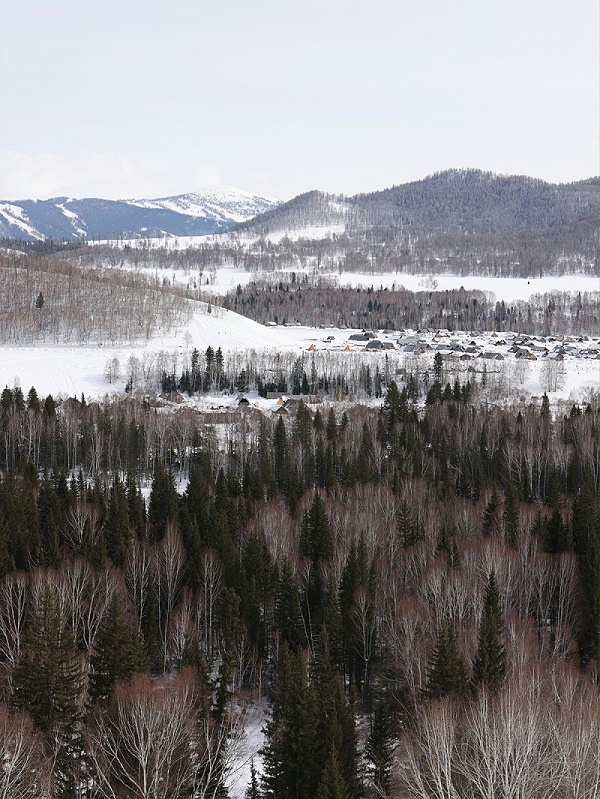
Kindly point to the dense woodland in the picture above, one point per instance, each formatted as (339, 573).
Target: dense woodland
(295, 298)
(413, 591)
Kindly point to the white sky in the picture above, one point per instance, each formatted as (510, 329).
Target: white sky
(146, 99)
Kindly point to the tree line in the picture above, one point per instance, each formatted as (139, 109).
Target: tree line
(298, 299)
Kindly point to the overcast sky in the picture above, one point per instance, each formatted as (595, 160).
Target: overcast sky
(132, 98)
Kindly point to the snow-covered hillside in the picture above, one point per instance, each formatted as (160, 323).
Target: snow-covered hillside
(224, 203)
(215, 209)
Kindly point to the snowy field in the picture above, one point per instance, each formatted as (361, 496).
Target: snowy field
(76, 369)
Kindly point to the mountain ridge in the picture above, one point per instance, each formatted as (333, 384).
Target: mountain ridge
(214, 210)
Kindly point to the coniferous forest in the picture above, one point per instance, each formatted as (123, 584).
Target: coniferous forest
(410, 591)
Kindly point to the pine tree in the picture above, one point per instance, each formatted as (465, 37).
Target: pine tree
(380, 745)
(117, 532)
(447, 673)
(292, 746)
(490, 664)
(48, 683)
(164, 502)
(119, 652)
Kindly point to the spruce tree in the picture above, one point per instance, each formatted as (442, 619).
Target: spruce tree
(490, 664)
(336, 729)
(407, 529)
(447, 673)
(253, 790)
(585, 542)
(6, 562)
(164, 502)
(380, 745)
(292, 745)
(332, 784)
(288, 616)
(48, 683)
(49, 515)
(511, 514)
(316, 537)
(118, 652)
(117, 531)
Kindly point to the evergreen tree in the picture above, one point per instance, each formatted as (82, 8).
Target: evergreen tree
(48, 683)
(117, 532)
(164, 502)
(358, 580)
(118, 652)
(511, 514)
(316, 537)
(490, 514)
(585, 542)
(407, 529)
(288, 616)
(490, 664)
(292, 745)
(257, 592)
(316, 543)
(6, 562)
(49, 515)
(253, 790)
(332, 784)
(447, 673)
(394, 407)
(380, 745)
(135, 507)
(336, 729)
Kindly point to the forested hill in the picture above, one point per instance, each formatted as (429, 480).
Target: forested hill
(457, 200)
(483, 219)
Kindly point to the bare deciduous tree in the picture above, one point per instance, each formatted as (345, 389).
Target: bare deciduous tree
(24, 770)
(141, 747)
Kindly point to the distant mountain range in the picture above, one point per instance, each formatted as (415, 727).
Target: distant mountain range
(463, 214)
(215, 210)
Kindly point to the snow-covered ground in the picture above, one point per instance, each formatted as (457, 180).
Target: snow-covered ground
(221, 280)
(73, 370)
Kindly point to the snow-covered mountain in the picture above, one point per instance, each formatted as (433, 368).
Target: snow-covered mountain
(214, 210)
